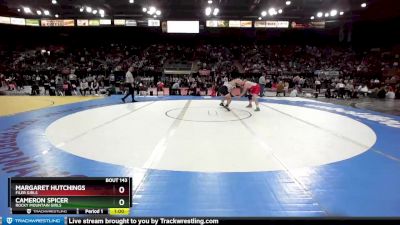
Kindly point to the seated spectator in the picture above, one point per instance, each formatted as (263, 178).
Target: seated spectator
(390, 94)
(112, 79)
(363, 90)
(2, 80)
(280, 88)
(294, 63)
(95, 86)
(328, 93)
(293, 93)
(160, 86)
(340, 88)
(381, 93)
(317, 85)
(84, 87)
(349, 90)
(35, 89)
(397, 93)
(142, 89)
(59, 87)
(193, 89)
(53, 88)
(176, 89)
(286, 89)
(46, 86)
(67, 88)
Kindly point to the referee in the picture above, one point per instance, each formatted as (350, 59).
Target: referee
(129, 83)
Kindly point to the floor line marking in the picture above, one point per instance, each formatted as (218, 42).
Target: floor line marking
(386, 155)
(101, 125)
(286, 168)
(336, 134)
(160, 148)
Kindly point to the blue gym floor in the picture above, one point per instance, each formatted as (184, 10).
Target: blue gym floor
(367, 185)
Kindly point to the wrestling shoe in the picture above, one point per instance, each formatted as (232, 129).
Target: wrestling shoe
(227, 108)
(257, 109)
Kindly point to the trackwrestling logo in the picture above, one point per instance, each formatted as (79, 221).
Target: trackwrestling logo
(36, 220)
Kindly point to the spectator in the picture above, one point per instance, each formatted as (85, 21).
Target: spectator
(293, 63)
(95, 86)
(175, 89)
(84, 87)
(280, 88)
(294, 93)
(160, 86)
(262, 82)
(381, 93)
(363, 90)
(349, 90)
(317, 85)
(35, 89)
(59, 86)
(340, 88)
(390, 94)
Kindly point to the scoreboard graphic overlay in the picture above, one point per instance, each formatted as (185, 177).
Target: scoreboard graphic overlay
(69, 195)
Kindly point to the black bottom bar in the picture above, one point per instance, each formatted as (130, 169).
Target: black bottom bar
(219, 221)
